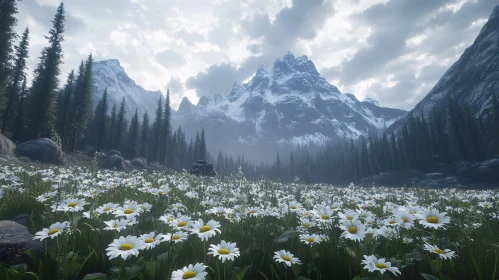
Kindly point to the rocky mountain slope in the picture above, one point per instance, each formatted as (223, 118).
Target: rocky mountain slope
(471, 80)
(111, 75)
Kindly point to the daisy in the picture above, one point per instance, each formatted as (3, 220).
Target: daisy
(125, 247)
(194, 272)
(404, 220)
(69, 205)
(106, 208)
(53, 231)
(310, 239)
(324, 215)
(181, 223)
(224, 251)
(117, 225)
(443, 254)
(485, 204)
(128, 211)
(353, 230)
(176, 237)
(151, 240)
(431, 218)
(286, 257)
(372, 264)
(205, 231)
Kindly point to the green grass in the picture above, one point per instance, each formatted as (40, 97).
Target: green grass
(473, 231)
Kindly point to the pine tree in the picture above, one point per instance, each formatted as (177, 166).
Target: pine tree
(63, 109)
(278, 167)
(19, 124)
(202, 146)
(197, 148)
(156, 133)
(292, 165)
(112, 129)
(120, 126)
(219, 166)
(167, 133)
(18, 76)
(134, 136)
(81, 106)
(144, 136)
(8, 10)
(99, 127)
(45, 82)
(454, 129)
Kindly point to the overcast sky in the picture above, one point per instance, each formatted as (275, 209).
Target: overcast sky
(393, 51)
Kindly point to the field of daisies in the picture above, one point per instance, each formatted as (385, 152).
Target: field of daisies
(97, 224)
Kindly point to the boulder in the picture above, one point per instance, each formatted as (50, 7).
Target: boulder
(203, 168)
(15, 240)
(139, 162)
(486, 171)
(91, 150)
(111, 160)
(7, 148)
(43, 150)
(396, 178)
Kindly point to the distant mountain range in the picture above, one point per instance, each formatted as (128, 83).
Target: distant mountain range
(292, 104)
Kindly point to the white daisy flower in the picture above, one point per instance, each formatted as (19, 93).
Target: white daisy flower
(431, 218)
(353, 230)
(205, 231)
(224, 251)
(117, 225)
(176, 237)
(106, 208)
(152, 240)
(310, 239)
(372, 264)
(125, 247)
(53, 231)
(443, 254)
(193, 272)
(286, 257)
(69, 205)
(128, 211)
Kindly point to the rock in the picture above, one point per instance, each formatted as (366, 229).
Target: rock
(113, 152)
(7, 148)
(43, 150)
(111, 161)
(139, 162)
(203, 168)
(486, 171)
(91, 150)
(396, 178)
(22, 219)
(15, 240)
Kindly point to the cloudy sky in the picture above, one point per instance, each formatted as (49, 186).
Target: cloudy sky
(391, 50)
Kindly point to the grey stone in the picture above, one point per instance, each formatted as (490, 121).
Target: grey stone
(7, 148)
(139, 162)
(43, 150)
(15, 240)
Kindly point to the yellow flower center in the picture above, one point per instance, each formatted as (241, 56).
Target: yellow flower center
(218, 213)
(486, 205)
(292, 207)
(352, 230)
(116, 226)
(53, 231)
(324, 217)
(106, 209)
(252, 212)
(349, 218)
(432, 219)
(439, 251)
(405, 219)
(310, 239)
(73, 204)
(128, 211)
(286, 258)
(305, 224)
(189, 275)
(223, 251)
(170, 219)
(381, 265)
(204, 229)
(175, 237)
(392, 222)
(149, 240)
(181, 224)
(126, 247)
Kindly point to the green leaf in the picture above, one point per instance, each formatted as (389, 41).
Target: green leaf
(436, 266)
(285, 236)
(70, 270)
(162, 257)
(133, 271)
(357, 277)
(429, 277)
(95, 276)
(351, 252)
(240, 275)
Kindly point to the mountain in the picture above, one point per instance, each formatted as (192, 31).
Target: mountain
(111, 75)
(289, 104)
(471, 80)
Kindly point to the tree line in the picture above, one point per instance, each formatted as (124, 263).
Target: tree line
(65, 114)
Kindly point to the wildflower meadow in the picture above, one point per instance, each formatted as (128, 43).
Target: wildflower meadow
(97, 224)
